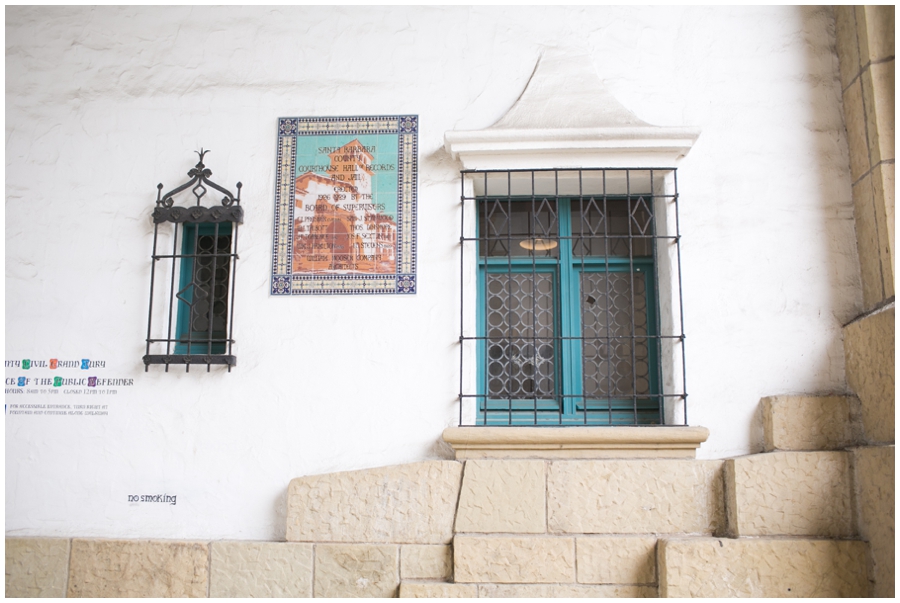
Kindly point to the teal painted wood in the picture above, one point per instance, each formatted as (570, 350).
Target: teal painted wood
(190, 233)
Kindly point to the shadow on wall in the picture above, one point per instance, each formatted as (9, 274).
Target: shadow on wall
(826, 127)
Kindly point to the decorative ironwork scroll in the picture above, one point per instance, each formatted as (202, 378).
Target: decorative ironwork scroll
(345, 205)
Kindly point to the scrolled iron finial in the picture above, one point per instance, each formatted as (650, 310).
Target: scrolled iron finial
(201, 153)
(198, 183)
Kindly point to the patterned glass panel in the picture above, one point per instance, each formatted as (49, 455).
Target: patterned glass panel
(615, 354)
(519, 228)
(520, 320)
(611, 227)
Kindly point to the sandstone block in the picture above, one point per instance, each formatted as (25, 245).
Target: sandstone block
(635, 497)
(502, 496)
(869, 352)
(789, 493)
(36, 567)
(876, 32)
(426, 561)
(616, 559)
(260, 569)
(509, 559)
(808, 422)
(412, 503)
(138, 568)
(878, 98)
(581, 591)
(437, 590)
(855, 119)
(883, 178)
(357, 570)
(713, 567)
(867, 243)
(847, 44)
(874, 474)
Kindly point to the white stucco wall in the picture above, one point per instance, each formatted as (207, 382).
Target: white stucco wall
(104, 103)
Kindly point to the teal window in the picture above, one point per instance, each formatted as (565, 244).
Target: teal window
(203, 289)
(567, 318)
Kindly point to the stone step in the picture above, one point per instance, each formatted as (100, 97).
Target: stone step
(425, 589)
(790, 494)
(601, 496)
(762, 567)
(555, 559)
(810, 422)
(412, 503)
(447, 590)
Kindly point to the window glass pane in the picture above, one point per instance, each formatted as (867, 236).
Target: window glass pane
(615, 350)
(521, 359)
(518, 228)
(612, 227)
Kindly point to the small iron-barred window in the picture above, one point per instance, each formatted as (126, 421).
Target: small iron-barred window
(568, 323)
(192, 276)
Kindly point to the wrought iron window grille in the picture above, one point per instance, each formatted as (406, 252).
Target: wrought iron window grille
(578, 314)
(192, 288)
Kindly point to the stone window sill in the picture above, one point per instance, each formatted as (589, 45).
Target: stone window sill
(574, 442)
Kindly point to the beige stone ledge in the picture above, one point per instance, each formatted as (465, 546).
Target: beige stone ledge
(790, 494)
(138, 568)
(756, 567)
(513, 559)
(356, 570)
(874, 477)
(261, 569)
(631, 496)
(503, 496)
(437, 590)
(616, 559)
(810, 422)
(36, 567)
(575, 591)
(405, 504)
(426, 561)
(575, 442)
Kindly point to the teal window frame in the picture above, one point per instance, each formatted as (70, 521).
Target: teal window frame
(199, 342)
(569, 406)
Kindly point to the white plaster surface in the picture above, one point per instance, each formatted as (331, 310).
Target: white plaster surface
(102, 103)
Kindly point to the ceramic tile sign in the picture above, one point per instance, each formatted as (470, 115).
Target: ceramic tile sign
(345, 205)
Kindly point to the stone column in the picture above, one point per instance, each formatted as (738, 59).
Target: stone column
(865, 45)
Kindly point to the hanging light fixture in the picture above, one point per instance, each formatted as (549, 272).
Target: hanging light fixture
(538, 244)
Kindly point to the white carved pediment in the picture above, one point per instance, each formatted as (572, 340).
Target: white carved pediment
(565, 117)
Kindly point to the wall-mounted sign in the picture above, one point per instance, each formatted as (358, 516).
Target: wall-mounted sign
(345, 205)
(32, 390)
